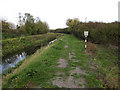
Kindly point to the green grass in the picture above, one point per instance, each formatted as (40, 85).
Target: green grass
(12, 45)
(37, 69)
(78, 46)
(107, 60)
(40, 68)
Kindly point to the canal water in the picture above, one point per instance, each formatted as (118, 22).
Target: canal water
(12, 60)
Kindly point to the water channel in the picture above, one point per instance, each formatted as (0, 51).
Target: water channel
(13, 59)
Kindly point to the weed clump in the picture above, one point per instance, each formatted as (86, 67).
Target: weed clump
(91, 48)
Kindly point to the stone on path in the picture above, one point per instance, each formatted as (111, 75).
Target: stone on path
(70, 82)
(62, 63)
(71, 55)
(78, 71)
(66, 46)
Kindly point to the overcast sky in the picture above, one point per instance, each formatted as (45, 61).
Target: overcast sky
(56, 12)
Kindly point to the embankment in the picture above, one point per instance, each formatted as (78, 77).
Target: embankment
(13, 45)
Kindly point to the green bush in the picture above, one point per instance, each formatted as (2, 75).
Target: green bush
(100, 33)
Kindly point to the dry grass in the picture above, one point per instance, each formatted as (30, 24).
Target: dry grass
(112, 78)
(108, 74)
(91, 49)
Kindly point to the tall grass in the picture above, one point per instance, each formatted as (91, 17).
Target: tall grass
(17, 44)
(37, 69)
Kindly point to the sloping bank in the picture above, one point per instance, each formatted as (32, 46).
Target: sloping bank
(37, 68)
(14, 45)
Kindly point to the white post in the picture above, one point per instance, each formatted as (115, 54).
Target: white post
(85, 34)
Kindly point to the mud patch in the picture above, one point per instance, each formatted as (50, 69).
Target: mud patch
(66, 46)
(78, 71)
(62, 63)
(70, 82)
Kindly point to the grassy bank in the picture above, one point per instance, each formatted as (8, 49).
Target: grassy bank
(17, 44)
(36, 69)
(105, 60)
(39, 69)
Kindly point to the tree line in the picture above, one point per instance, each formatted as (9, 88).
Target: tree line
(99, 32)
(30, 26)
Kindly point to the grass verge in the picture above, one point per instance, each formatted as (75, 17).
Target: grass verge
(36, 69)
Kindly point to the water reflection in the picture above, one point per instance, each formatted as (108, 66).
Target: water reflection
(12, 61)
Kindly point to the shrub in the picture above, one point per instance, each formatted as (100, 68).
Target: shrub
(100, 33)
